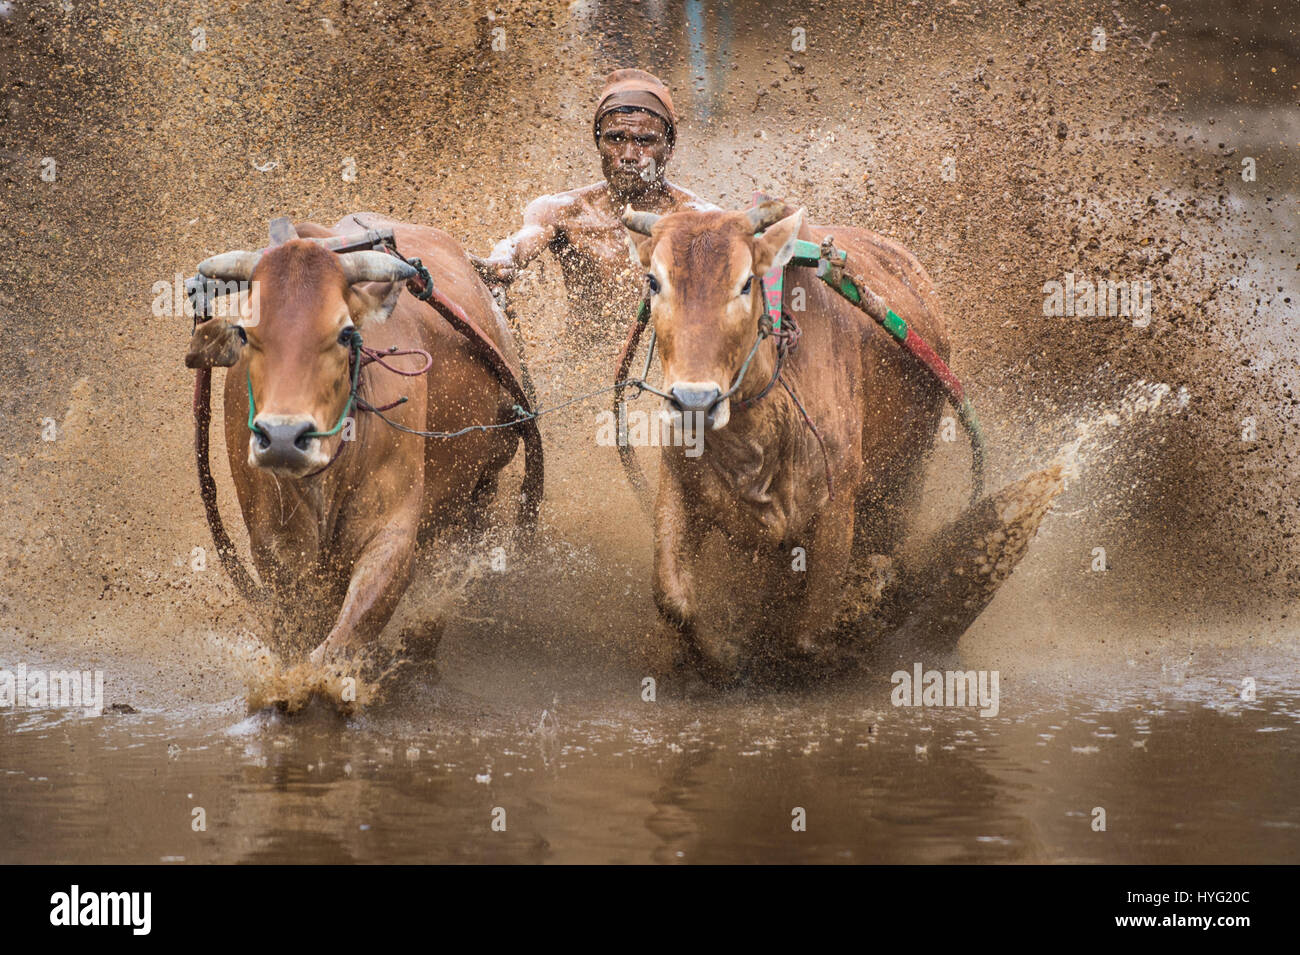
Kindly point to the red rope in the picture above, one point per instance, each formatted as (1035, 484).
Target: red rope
(369, 355)
(938, 367)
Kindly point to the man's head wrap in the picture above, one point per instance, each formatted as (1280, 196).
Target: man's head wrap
(636, 89)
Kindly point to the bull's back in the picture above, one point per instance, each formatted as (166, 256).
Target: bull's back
(451, 271)
(886, 408)
(896, 275)
(460, 389)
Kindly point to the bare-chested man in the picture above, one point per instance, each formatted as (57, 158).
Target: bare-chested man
(635, 130)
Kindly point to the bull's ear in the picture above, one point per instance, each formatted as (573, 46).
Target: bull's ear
(775, 247)
(639, 248)
(215, 344)
(373, 302)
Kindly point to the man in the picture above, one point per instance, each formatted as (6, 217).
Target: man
(635, 130)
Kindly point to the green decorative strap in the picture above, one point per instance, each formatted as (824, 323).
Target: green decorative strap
(806, 253)
(895, 325)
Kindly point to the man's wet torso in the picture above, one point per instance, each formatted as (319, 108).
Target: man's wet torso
(604, 287)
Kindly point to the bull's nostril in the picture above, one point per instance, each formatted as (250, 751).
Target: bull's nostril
(279, 444)
(302, 439)
(694, 399)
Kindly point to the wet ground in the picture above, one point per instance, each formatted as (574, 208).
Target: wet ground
(1120, 690)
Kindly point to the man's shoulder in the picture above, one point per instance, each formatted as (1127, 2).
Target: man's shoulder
(556, 206)
(685, 199)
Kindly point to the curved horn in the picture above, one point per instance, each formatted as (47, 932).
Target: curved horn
(641, 222)
(374, 267)
(282, 230)
(766, 214)
(230, 266)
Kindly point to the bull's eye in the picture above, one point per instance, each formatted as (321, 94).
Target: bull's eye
(243, 335)
(654, 284)
(749, 284)
(345, 336)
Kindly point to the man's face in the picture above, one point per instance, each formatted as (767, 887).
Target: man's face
(633, 151)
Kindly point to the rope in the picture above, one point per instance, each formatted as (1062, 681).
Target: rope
(787, 335)
(422, 287)
(522, 413)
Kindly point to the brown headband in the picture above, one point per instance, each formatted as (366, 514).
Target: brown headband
(640, 99)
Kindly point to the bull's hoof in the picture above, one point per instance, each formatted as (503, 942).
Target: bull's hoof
(719, 666)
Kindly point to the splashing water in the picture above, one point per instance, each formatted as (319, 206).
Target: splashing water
(965, 563)
(1101, 431)
(439, 586)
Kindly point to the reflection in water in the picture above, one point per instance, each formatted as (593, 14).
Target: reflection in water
(1185, 770)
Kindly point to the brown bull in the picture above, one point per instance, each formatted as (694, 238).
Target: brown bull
(763, 479)
(334, 523)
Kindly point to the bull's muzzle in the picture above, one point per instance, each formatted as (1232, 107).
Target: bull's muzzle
(281, 443)
(700, 401)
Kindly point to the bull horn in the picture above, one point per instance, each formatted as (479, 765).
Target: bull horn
(282, 230)
(640, 222)
(230, 266)
(374, 267)
(765, 215)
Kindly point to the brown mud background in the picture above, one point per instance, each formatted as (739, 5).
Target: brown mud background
(1120, 164)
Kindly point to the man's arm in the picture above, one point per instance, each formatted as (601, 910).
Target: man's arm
(542, 224)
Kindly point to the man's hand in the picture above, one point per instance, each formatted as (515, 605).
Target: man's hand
(494, 271)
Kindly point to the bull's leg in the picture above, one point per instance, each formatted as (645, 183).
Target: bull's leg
(380, 576)
(677, 540)
(877, 525)
(296, 621)
(829, 550)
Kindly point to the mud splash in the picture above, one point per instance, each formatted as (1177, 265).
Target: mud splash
(928, 607)
(271, 682)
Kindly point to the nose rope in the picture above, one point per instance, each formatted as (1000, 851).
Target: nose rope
(359, 356)
(787, 335)
(787, 339)
(354, 342)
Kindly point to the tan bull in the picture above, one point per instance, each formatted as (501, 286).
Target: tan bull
(334, 523)
(793, 519)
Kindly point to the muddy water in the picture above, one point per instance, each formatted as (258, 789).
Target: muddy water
(1120, 690)
(1184, 769)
